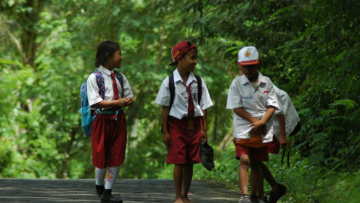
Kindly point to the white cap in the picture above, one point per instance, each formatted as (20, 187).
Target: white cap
(248, 56)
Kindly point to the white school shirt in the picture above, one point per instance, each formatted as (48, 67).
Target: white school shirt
(179, 107)
(253, 101)
(93, 88)
(288, 109)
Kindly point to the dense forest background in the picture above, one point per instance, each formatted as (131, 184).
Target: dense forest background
(309, 48)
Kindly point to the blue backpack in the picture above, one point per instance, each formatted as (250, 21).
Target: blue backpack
(87, 115)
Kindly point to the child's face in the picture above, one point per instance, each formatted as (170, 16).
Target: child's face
(189, 61)
(116, 59)
(240, 72)
(249, 71)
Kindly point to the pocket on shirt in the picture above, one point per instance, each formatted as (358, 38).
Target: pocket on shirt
(262, 96)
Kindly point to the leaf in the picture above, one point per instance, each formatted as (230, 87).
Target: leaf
(349, 104)
(6, 61)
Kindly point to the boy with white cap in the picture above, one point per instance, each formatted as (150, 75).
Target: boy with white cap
(286, 120)
(183, 116)
(253, 100)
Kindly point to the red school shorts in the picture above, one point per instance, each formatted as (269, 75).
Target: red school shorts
(259, 154)
(185, 144)
(274, 146)
(108, 140)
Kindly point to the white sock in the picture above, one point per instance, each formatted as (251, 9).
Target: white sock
(99, 176)
(111, 176)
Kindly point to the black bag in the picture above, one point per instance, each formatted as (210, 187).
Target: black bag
(207, 155)
(172, 92)
(296, 129)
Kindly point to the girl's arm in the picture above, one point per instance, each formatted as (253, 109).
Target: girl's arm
(165, 116)
(114, 103)
(127, 90)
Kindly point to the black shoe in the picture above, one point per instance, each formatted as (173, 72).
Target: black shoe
(275, 196)
(99, 190)
(254, 199)
(107, 197)
(264, 199)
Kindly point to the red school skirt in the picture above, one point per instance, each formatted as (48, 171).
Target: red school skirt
(108, 140)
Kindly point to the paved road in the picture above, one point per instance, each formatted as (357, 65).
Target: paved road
(130, 191)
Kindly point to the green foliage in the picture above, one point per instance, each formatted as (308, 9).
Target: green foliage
(309, 48)
(305, 182)
(40, 91)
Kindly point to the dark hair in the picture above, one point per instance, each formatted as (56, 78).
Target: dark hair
(189, 44)
(105, 47)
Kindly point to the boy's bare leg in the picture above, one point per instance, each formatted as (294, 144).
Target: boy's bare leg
(188, 173)
(244, 174)
(255, 176)
(269, 177)
(178, 178)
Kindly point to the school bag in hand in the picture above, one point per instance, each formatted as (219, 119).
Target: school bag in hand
(172, 91)
(87, 114)
(294, 132)
(207, 155)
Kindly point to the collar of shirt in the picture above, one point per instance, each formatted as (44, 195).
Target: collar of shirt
(104, 70)
(261, 79)
(177, 77)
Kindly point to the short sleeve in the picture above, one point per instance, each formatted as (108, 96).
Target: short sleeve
(271, 98)
(93, 90)
(163, 96)
(234, 96)
(206, 101)
(278, 96)
(126, 87)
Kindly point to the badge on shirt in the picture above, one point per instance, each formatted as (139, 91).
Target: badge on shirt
(195, 97)
(190, 125)
(265, 91)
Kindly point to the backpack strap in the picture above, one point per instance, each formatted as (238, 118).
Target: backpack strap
(121, 80)
(172, 90)
(83, 94)
(100, 82)
(199, 83)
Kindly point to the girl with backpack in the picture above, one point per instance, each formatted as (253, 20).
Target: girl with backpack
(108, 91)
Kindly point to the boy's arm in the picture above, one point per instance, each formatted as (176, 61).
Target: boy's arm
(269, 112)
(204, 126)
(282, 139)
(165, 116)
(244, 114)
